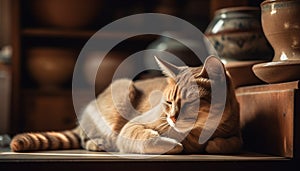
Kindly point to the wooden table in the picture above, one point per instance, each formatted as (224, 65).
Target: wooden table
(83, 160)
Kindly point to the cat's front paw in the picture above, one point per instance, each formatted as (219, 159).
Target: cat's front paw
(162, 145)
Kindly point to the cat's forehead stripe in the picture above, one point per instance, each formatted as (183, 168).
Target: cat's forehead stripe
(175, 91)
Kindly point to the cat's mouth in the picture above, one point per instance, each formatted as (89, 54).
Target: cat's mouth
(174, 118)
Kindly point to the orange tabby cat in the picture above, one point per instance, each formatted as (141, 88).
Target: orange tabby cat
(154, 116)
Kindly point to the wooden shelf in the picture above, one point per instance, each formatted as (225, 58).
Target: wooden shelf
(83, 155)
(45, 32)
(65, 33)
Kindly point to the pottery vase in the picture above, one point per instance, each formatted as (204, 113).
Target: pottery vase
(281, 26)
(50, 67)
(236, 35)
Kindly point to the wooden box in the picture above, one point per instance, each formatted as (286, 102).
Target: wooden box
(269, 117)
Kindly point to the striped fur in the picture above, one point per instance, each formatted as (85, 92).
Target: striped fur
(45, 141)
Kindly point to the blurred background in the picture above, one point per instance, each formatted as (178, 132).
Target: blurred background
(41, 39)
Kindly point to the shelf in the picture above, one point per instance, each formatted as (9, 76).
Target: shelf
(44, 32)
(65, 33)
(83, 155)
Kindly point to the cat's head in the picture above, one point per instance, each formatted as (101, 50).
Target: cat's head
(191, 91)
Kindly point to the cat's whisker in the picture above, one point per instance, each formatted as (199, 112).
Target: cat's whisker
(163, 117)
(162, 124)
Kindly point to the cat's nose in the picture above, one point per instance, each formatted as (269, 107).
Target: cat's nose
(174, 110)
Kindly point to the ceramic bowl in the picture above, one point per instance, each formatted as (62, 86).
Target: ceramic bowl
(66, 13)
(51, 67)
(276, 72)
(236, 34)
(281, 25)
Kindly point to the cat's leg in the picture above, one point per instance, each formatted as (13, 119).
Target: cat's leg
(90, 144)
(138, 139)
(224, 145)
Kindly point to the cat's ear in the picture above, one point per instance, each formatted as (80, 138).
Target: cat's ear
(213, 68)
(168, 69)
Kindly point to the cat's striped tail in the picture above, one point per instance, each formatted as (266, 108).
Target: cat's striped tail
(45, 141)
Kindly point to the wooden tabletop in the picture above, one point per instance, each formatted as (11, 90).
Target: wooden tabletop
(83, 155)
(84, 160)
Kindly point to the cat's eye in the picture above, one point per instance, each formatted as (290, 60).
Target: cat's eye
(168, 102)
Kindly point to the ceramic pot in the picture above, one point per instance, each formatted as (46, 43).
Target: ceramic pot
(105, 71)
(236, 34)
(50, 67)
(281, 25)
(66, 13)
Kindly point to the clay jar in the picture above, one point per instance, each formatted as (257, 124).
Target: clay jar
(51, 67)
(281, 25)
(105, 71)
(236, 34)
(66, 13)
